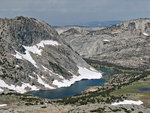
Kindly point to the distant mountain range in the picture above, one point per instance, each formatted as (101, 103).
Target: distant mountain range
(94, 24)
(126, 43)
(100, 23)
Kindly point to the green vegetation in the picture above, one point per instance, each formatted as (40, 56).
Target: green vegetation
(133, 78)
(29, 104)
(16, 98)
(113, 67)
(133, 89)
(115, 88)
(126, 110)
(124, 84)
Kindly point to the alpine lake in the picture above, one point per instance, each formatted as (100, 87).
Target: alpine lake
(76, 88)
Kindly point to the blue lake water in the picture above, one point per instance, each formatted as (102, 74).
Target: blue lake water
(75, 88)
(144, 89)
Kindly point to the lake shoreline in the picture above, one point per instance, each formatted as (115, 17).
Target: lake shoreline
(78, 87)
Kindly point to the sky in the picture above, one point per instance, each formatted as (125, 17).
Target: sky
(70, 12)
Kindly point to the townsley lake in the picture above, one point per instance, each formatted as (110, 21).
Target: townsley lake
(74, 89)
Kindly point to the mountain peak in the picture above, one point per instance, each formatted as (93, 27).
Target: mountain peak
(35, 57)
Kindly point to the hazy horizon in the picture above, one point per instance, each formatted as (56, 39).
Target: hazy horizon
(73, 12)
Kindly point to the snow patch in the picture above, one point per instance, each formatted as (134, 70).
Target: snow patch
(35, 49)
(105, 40)
(46, 69)
(145, 34)
(31, 77)
(43, 83)
(26, 56)
(139, 102)
(19, 89)
(84, 74)
(18, 55)
(17, 66)
(91, 68)
(89, 74)
(47, 42)
(3, 105)
(43, 77)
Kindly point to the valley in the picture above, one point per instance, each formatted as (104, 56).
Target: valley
(114, 90)
(37, 58)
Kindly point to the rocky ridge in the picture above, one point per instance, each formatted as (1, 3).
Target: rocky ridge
(34, 57)
(126, 44)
